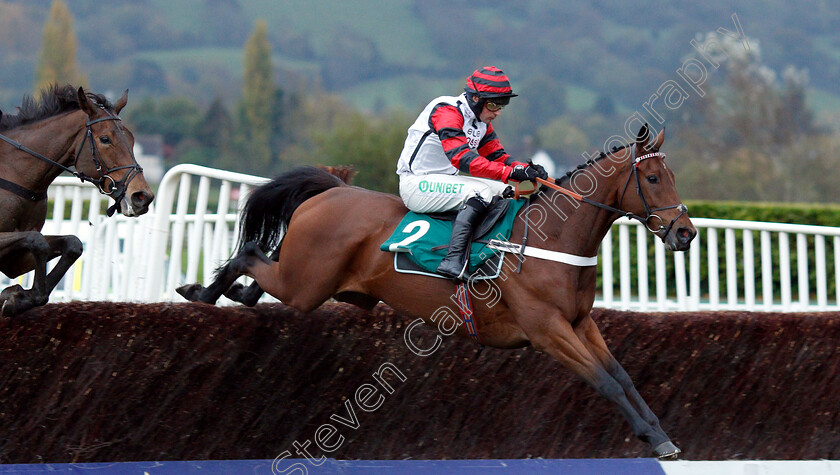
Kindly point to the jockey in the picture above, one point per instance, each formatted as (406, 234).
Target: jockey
(455, 135)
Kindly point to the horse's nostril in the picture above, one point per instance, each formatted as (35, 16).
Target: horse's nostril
(140, 198)
(685, 234)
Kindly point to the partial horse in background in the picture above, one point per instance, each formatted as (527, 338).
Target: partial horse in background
(69, 130)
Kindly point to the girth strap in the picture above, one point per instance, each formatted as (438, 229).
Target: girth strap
(24, 193)
(465, 308)
(571, 259)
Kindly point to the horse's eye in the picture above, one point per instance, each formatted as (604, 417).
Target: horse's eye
(653, 179)
(104, 140)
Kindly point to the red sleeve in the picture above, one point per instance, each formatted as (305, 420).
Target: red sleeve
(448, 122)
(491, 148)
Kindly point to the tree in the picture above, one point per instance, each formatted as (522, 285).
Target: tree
(57, 61)
(751, 136)
(175, 118)
(563, 138)
(213, 134)
(214, 129)
(258, 92)
(370, 145)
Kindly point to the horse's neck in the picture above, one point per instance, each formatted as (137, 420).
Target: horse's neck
(54, 138)
(575, 227)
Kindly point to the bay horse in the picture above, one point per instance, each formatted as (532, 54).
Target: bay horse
(68, 128)
(324, 241)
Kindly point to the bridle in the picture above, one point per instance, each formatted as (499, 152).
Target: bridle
(116, 190)
(650, 213)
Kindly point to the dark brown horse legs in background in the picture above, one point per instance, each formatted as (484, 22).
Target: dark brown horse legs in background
(35, 250)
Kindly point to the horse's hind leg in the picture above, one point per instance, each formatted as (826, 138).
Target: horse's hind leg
(238, 266)
(250, 295)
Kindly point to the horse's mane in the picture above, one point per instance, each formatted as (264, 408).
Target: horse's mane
(55, 100)
(589, 163)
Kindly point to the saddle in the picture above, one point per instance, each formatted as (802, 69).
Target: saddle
(420, 240)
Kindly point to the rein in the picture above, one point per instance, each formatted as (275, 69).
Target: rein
(649, 212)
(117, 188)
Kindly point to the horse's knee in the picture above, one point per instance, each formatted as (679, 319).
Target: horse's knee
(36, 243)
(73, 247)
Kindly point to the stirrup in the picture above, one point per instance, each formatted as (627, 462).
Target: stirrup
(461, 276)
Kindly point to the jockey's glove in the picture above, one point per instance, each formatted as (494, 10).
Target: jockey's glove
(541, 173)
(524, 173)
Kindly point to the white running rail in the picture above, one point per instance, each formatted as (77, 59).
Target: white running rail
(192, 228)
(189, 242)
(732, 265)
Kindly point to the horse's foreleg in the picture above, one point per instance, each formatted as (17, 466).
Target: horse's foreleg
(238, 266)
(590, 335)
(70, 249)
(556, 337)
(22, 252)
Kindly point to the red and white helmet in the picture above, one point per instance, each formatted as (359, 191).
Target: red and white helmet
(489, 82)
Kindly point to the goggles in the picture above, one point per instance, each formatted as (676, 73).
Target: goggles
(493, 107)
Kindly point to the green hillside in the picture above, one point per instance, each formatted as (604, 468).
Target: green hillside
(367, 50)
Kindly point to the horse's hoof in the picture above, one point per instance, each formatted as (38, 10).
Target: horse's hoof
(8, 308)
(234, 292)
(11, 291)
(190, 292)
(667, 451)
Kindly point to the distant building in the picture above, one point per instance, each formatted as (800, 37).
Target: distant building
(148, 150)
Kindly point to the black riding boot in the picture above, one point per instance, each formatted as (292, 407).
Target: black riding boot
(456, 262)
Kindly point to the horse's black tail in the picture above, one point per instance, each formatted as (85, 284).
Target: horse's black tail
(266, 215)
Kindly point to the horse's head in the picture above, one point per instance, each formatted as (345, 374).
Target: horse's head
(106, 154)
(656, 200)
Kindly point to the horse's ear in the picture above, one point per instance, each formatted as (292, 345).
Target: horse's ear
(659, 140)
(84, 102)
(121, 102)
(643, 137)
